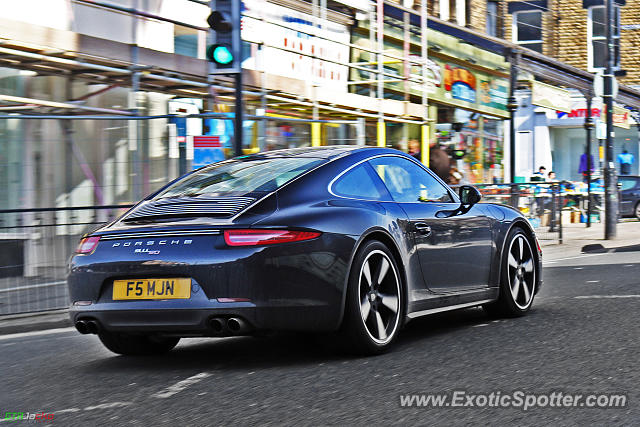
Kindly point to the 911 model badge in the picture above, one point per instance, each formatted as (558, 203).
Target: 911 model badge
(147, 243)
(146, 251)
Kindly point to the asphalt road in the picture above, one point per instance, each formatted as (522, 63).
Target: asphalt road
(581, 337)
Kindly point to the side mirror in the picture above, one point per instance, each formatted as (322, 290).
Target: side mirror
(469, 195)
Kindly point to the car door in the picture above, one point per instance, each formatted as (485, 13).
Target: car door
(454, 247)
(629, 194)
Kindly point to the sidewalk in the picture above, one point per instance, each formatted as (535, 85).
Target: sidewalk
(575, 237)
(28, 322)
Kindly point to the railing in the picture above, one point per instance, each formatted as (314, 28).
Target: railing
(547, 205)
(35, 246)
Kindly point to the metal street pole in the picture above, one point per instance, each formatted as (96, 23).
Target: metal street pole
(239, 116)
(588, 126)
(512, 106)
(610, 179)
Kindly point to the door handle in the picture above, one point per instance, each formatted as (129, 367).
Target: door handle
(422, 228)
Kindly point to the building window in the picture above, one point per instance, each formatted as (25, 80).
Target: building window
(454, 10)
(492, 18)
(527, 29)
(597, 36)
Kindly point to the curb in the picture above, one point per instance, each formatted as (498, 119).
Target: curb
(29, 322)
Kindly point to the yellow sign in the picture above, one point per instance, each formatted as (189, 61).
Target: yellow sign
(171, 288)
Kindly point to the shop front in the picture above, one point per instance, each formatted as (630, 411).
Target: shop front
(466, 88)
(568, 141)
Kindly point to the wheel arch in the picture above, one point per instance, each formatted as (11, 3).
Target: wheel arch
(387, 239)
(522, 224)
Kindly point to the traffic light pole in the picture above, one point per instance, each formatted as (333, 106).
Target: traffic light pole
(588, 126)
(225, 55)
(239, 116)
(610, 181)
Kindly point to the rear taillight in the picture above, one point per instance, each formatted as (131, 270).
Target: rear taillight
(266, 237)
(538, 245)
(87, 245)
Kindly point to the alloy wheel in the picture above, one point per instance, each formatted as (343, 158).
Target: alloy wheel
(521, 271)
(379, 293)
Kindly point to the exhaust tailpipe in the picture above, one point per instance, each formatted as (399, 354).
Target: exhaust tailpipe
(82, 327)
(217, 325)
(92, 326)
(236, 325)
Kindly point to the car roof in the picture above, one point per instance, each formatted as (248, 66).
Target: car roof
(326, 152)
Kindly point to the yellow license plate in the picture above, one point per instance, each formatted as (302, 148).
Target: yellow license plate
(152, 289)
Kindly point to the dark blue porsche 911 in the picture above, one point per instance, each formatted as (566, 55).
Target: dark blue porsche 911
(356, 240)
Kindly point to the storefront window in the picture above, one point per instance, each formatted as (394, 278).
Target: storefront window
(474, 144)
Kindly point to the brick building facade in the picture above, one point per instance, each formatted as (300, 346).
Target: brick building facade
(564, 27)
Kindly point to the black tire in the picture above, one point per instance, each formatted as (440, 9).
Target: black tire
(518, 277)
(636, 211)
(375, 331)
(137, 345)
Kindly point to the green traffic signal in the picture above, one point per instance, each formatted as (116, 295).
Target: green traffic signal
(220, 54)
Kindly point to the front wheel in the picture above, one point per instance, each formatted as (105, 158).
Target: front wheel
(375, 302)
(137, 345)
(517, 279)
(636, 211)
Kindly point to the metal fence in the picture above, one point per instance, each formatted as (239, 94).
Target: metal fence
(35, 245)
(548, 206)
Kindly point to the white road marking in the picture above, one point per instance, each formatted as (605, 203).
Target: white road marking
(36, 333)
(181, 385)
(551, 261)
(480, 325)
(605, 296)
(578, 268)
(108, 405)
(593, 281)
(64, 411)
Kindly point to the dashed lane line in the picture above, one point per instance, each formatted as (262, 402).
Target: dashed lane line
(180, 385)
(605, 296)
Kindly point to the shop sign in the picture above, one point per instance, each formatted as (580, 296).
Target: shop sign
(551, 97)
(285, 51)
(457, 85)
(621, 116)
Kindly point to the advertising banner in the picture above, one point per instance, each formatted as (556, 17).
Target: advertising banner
(551, 97)
(289, 38)
(463, 87)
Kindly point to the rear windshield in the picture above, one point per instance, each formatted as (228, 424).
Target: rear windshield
(241, 176)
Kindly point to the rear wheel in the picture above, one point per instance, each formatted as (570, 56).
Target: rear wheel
(636, 211)
(137, 345)
(375, 305)
(517, 279)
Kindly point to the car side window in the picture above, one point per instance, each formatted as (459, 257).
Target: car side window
(627, 183)
(407, 182)
(360, 183)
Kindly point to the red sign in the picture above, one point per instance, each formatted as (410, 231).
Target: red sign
(206, 141)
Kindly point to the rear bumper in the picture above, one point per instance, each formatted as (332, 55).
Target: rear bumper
(192, 316)
(196, 321)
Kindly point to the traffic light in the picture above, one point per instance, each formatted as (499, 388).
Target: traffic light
(225, 51)
(458, 154)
